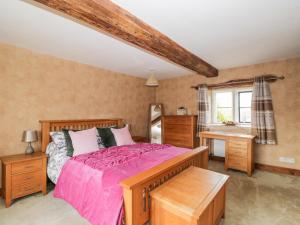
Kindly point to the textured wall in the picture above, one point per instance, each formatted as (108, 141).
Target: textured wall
(34, 87)
(286, 100)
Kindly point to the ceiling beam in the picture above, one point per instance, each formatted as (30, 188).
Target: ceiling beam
(116, 21)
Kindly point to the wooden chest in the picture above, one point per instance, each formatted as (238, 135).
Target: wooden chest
(180, 131)
(194, 197)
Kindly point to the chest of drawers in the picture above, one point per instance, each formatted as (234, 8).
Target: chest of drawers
(180, 131)
(23, 175)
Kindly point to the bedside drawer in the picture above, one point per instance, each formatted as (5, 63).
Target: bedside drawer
(26, 167)
(24, 184)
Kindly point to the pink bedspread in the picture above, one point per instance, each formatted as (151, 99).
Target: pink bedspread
(90, 182)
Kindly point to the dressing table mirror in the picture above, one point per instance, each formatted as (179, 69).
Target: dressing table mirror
(156, 111)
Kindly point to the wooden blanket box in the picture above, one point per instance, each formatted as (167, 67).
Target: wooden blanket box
(194, 197)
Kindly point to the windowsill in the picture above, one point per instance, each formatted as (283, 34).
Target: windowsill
(242, 125)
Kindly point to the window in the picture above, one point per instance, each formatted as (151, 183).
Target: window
(224, 106)
(244, 99)
(231, 105)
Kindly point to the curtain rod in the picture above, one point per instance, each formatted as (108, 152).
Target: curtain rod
(240, 82)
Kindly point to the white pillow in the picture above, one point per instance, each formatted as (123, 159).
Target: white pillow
(84, 141)
(122, 136)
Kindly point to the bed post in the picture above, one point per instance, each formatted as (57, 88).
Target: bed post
(45, 137)
(120, 123)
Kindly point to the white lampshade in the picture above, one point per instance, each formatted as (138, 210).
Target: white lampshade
(152, 81)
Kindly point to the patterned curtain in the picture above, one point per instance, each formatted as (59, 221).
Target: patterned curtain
(203, 108)
(263, 123)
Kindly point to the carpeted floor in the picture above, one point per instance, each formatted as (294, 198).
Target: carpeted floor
(263, 199)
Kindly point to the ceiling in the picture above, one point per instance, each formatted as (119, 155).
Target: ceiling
(224, 33)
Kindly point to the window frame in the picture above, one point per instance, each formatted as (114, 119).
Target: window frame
(235, 104)
(239, 107)
(214, 108)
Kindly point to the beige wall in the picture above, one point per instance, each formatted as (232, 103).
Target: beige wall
(35, 87)
(174, 93)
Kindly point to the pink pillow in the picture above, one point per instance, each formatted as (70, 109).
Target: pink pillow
(84, 141)
(122, 136)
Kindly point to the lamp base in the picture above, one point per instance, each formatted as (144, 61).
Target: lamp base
(29, 149)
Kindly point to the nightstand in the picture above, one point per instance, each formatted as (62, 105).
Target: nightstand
(140, 139)
(23, 175)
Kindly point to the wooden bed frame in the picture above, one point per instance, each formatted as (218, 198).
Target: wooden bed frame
(136, 189)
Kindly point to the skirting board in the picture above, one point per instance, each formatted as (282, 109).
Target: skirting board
(277, 169)
(217, 158)
(264, 167)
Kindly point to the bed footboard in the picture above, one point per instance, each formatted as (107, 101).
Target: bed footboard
(136, 189)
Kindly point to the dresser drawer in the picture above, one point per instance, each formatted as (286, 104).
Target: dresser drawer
(238, 163)
(178, 128)
(26, 167)
(237, 144)
(24, 184)
(178, 143)
(238, 152)
(186, 120)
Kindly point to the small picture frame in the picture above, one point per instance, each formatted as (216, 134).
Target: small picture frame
(181, 111)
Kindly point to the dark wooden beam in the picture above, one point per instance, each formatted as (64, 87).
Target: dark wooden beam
(114, 20)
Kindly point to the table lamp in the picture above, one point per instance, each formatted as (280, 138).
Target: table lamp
(29, 136)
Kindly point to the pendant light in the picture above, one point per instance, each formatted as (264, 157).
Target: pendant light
(152, 81)
(157, 108)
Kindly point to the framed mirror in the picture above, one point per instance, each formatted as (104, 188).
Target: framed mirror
(156, 111)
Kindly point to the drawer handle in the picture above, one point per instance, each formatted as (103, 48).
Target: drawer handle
(28, 167)
(28, 189)
(28, 178)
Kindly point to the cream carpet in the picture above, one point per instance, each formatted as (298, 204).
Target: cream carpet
(263, 199)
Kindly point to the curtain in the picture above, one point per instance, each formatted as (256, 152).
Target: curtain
(263, 123)
(203, 108)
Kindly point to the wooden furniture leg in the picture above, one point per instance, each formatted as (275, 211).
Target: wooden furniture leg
(226, 155)
(44, 177)
(7, 183)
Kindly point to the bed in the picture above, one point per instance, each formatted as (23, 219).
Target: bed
(136, 188)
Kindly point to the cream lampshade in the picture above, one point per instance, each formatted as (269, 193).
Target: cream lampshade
(152, 81)
(29, 136)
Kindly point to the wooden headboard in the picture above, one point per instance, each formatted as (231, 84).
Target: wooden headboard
(57, 125)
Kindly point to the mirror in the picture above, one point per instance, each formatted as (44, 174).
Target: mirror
(155, 113)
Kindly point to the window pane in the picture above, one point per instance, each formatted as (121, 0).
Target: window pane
(224, 99)
(245, 115)
(245, 99)
(224, 114)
